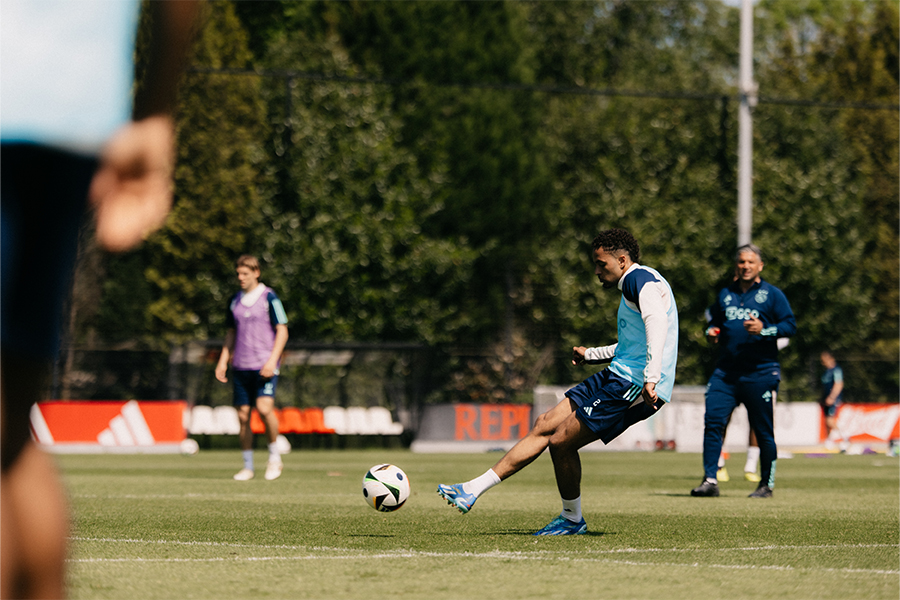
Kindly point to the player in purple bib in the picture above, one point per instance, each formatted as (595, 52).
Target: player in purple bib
(257, 333)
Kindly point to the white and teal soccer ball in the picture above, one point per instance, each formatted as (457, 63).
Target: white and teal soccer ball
(385, 487)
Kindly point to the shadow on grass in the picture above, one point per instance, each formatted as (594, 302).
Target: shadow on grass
(530, 533)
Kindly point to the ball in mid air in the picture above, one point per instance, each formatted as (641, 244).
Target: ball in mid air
(385, 487)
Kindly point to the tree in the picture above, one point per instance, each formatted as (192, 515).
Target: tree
(353, 258)
(658, 167)
(498, 194)
(220, 181)
(827, 183)
(435, 171)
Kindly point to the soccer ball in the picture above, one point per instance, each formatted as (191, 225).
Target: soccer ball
(189, 446)
(385, 487)
(282, 445)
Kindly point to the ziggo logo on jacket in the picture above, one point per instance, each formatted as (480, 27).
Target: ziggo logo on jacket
(734, 312)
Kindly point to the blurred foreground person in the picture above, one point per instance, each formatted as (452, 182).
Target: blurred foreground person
(68, 144)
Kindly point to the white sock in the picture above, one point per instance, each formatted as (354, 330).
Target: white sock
(274, 454)
(482, 483)
(712, 480)
(752, 459)
(836, 435)
(721, 460)
(572, 509)
(248, 459)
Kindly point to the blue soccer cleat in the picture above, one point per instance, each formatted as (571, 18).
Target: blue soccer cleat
(455, 496)
(562, 526)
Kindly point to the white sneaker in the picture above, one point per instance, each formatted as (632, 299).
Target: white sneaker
(244, 475)
(273, 470)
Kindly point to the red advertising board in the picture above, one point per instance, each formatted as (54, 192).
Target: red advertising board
(491, 422)
(867, 422)
(81, 425)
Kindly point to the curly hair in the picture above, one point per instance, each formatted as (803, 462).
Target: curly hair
(618, 239)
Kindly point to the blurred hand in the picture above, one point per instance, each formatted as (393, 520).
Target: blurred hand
(222, 372)
(712, 335)
(753, 325)
(132, 190)
(649, 395)
(578, 355)
(268, 370)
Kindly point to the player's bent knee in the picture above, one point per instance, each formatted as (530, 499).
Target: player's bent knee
(543, 427)
(562, 441)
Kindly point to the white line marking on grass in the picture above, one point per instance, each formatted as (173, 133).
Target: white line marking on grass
(196, 543)
(162, 496)
(577, 552)
(349, 554)
(739, 549)
(499, 555)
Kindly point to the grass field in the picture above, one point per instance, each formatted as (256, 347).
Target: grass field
(179, 527)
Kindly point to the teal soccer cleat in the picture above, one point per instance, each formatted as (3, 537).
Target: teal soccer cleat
(455, 496)
(562, 526)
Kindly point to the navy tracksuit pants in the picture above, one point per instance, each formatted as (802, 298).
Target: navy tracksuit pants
(757, 392)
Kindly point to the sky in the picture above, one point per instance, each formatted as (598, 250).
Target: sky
(65, 68)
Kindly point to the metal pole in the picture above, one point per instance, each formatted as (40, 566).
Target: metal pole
(748, 89)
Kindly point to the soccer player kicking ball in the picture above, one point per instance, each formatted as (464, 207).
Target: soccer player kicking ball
(633, 387)
(257, 333)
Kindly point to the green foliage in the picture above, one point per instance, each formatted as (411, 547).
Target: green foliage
(487, 141)
(219, 179)
(826, 183)
(353, 261)
(450, 205)
(219, 185)
(658, 168)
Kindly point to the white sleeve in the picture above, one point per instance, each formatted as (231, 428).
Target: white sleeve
(602, 354)
(654, 303)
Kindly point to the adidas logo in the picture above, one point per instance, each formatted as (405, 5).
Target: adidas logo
(588, 410)
(67, 426)
(128, 428)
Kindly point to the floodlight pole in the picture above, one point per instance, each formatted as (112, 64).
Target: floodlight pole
(748, 89)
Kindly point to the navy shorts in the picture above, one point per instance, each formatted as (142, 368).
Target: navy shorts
(248, 386)
(609, 404)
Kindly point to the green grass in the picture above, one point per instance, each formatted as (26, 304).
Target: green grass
(179, 527)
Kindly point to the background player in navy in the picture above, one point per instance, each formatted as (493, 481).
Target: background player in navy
(748, 317)
(636, 384)
(832, 396)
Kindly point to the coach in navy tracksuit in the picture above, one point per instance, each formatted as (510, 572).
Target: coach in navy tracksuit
(748, 317)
